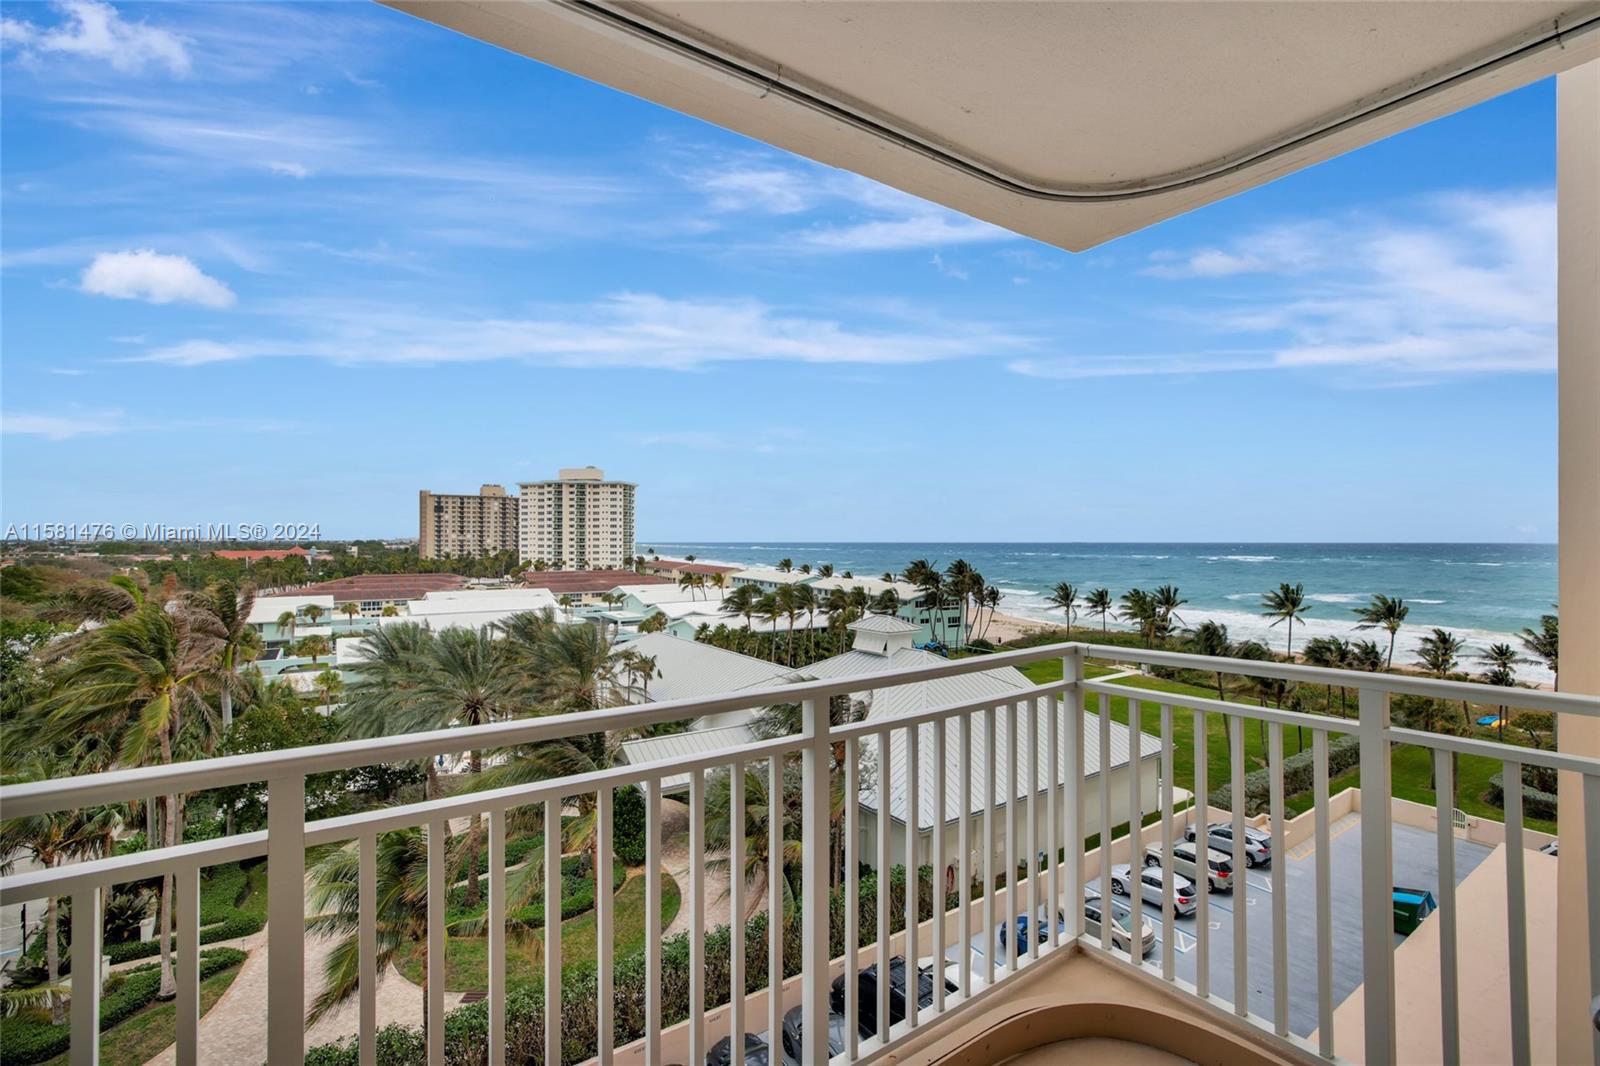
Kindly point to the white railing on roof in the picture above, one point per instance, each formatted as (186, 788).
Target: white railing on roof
(1056, 892)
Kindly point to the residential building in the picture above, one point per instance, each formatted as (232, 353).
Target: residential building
(589, 586)
(456, 526)
(374, 592)
(941, 625)
(579, 520)
(768, 578)
(255, 555)
(676, 568)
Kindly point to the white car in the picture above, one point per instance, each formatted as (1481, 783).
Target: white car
(1151, 889)
(1219, 867)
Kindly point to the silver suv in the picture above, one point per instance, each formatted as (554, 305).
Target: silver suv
(1219, 837)
(1219, 867)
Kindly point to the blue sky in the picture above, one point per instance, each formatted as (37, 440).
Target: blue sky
(293, 263)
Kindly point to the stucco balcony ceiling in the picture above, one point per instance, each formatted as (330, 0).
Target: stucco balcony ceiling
(1071, 122)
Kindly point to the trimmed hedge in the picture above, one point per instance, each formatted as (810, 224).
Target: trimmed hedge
(627, 826)
(1536, 803)
(233, 903)
(23, 1042)
(1299, 774)
(577, 893)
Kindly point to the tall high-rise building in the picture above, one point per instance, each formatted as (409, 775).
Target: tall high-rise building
(453, 526)
(579, 521)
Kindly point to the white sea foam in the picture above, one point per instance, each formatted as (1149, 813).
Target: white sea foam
(1419, 599)
(1335, 597)
(1238, 558)
(1244, 596)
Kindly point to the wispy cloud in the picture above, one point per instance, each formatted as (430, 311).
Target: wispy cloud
(625, 330)
(1072, 367)
(93, 30)
(63, 425)
(155, 278)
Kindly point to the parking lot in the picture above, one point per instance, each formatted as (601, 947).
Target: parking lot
(1415, 866)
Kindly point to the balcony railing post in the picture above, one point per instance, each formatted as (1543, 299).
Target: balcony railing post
(815, 874)
(1377, 877)
(1072, 790)
(88, 909)
(286, 919)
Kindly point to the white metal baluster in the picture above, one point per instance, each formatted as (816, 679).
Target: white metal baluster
(816, 780)
(1324, 842)
(990, 930)
(1052, 829)
(1106, 918)
(1013, 906)
(286, 919)
(1377, 877)
(438, 907)
(1169, 876)
(187, 970)
(1516, 915)
(1280, 913)
(1445, 838)
(1591, 859)
(697, 917)
(964, 846)
(1031, 754)
(913, 874)
(1241, 936)
(884, 771)
(367, 949)
(1199, 814)
(1135, 825)
(652, 920)
(497, 934)
(852, 895)
(736, 919)
(604, 921)
(88, 917)
(775, 817)
(552, 930)
(936, 880)
(1072, 700)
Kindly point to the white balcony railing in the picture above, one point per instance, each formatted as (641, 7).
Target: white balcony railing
(1058, 830)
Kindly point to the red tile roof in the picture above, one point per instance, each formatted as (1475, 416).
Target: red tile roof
(253, 555)
(561, 582)
(378, 586)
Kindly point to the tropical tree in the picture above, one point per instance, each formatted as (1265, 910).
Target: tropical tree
(758, 805)
(1166, 600)
(287, 621)
(1099, 602)
(351, 610)
(1501, 660)
(1139, 608)
(330, 684)
(788, 597)
(390, 611)
(1065, 596)
(312, 613)
(1439, 653)
(825, 570)
(1365, 655)
(1387, 613)
(1544, 643)
(991, 600)
(1286, 604)
(959, 577)
(1331, 653)
(769, 609)
(313, 646)
(786, 565)
(805, 599)
(139, 684)
(742, 602)
(230, 605)
(1211, 638)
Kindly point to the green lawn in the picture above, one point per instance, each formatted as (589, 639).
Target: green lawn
(150, 1031)
(467, 958)
(1410, 764)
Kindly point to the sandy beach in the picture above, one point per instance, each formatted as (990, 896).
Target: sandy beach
(1003, 627)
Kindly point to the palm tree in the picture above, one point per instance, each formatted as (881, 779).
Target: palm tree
(805, 568)
(402, 911)
(786, 565)
(390, 611)
(331, 684)
(886, 602)
(959, 575)
(757, 810)
(805, 599)
(287, 622)
(1139, 608)
(1545, 642)
(1166, 601)
(1099, 602)
(1502, 660)
(825, 570)
(1439, 653)
(1383, 612)
(1287, 604)
(47, 839)
(788, 597)
(991, 600)
(377, 703)
(1211, 638)
(351, 609)
(1065, 596)
(1367, 656)
(930, 582)
(770, 610)
(1331, 653)
(230, 606)
(688, 581)
(140, 684)
(313, 646)
(742, 601)
(312, 613)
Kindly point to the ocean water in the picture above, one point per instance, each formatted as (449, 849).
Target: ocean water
(1481, 592)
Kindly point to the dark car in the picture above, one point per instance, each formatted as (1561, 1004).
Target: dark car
(794, 1027)
(756, 1052)
(867, 994)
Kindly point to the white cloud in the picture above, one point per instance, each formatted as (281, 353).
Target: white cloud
(1283, 249)
(156, 278)
(768, 189)
(95, 30)
(288, 170)
(949, 270)
(84, 423)
(625, 330)
(931, 227)
(1073, 367)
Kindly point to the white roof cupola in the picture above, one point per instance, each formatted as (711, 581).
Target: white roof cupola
(883, 634)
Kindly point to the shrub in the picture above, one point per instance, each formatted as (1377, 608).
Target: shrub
(1536, 803)
(627, 826)
(23, 1042)
(1299, 774)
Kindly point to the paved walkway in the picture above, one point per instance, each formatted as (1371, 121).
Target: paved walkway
(675, 860)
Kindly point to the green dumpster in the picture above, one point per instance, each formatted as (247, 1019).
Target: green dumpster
(1411, 905)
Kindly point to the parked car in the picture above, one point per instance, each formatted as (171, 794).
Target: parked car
(756, 1052)
(1022, 936)
(1219, 837)
(1121, 924)
(1219, 867)
(867, 994)
(1151, 889)
(794, 1027)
